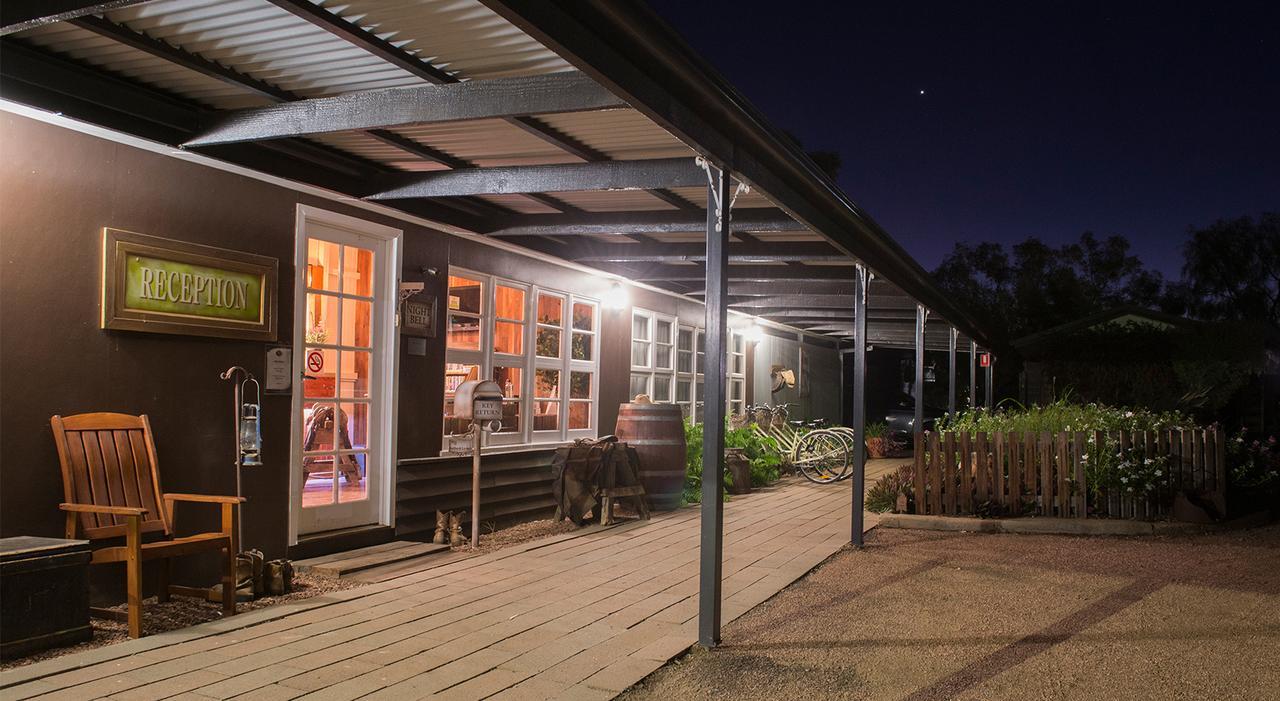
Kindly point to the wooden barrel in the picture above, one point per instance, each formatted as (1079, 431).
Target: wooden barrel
(656, 431)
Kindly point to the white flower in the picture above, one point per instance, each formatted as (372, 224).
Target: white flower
(1147, 461)
(1128, 414)
(1131, 489)
(1125, 480)
(1158, 473)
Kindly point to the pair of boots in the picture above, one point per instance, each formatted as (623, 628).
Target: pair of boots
(449, 528)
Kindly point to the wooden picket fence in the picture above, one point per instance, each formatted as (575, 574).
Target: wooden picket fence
(1018, 473)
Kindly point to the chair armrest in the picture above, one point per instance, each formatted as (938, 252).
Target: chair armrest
(96, 509)
(205, 498)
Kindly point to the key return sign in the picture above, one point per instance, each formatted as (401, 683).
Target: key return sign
(165, 286)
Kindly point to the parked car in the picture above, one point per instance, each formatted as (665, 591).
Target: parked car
(902, 417)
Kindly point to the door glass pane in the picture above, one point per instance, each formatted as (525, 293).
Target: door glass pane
(465, 294)
(683, 390)
(584, 316)
(464, 332)
(579, 415)
(508, 337)
(323, 271)
(320, 366)
(548, 345)
(322, 319)
(356, 370)
(639, 385)
(353, 477)
(357, 320)
(353, 426)
(319, 429)
(581, 346)
(550, 310)
(357, 278)
(509, 303)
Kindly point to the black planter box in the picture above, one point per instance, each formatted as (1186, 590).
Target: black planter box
(44, 594)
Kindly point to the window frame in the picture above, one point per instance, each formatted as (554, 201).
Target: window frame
(529, 362)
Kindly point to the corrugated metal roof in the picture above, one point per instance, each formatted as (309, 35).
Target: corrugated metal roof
(461, 36)
(619, 134)
(614, 200)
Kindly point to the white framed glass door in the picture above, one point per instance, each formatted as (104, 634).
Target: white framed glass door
(344, 343)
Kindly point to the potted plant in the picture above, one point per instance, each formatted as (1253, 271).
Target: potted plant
(877, 439)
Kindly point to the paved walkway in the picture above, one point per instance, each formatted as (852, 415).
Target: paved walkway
(581, 616)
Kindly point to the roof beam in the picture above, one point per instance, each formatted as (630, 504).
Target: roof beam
(652, 222)
(561, 177)
(680, 273)
(570, 91)
(18, 15)
(358, 36)
(658, 252)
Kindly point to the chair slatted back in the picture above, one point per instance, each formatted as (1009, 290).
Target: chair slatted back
(109, 459)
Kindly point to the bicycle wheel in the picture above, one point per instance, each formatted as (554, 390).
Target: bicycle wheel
(846, 434)
(821, 456)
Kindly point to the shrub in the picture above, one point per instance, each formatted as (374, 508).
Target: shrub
(762, 452)
(1253, 465)
(1061, 415)
(883, 495)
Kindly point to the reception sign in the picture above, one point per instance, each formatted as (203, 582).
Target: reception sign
(164, 286)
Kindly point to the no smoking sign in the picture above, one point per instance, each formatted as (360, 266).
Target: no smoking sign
(315, 361)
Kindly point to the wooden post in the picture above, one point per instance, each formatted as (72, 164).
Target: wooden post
(1046, 474)
(1078, 452)
(1220, 460)
(949, 472)
(998, 480)
(1197, 458)
(133, 572)
(982, 463)
(1064, 471)
(1015, 472)
(966, 474)
(918, 473)
(935, 474)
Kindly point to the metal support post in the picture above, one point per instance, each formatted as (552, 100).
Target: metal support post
(713, 410)
(918, 388)
(951, 370)
(859, 401)
(973, 374)
(991, 378)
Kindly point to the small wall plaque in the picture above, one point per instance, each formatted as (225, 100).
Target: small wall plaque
(418, 316)
(165, 286)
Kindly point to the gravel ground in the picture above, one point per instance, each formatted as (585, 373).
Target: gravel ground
(182, 611)
(924, 615)
(519, 533)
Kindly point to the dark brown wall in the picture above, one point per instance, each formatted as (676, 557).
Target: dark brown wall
(59, 188)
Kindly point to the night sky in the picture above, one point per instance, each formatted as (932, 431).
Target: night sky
(1036, 119)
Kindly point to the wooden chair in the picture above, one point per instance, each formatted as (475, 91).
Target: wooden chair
(111, 483)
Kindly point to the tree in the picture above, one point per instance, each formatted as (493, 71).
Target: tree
(1232, 269)
(1037, 286)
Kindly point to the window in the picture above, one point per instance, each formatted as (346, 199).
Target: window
(531, 342)
(652, 355)
(690, 386)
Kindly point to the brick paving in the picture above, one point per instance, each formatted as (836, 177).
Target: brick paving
(579, 616)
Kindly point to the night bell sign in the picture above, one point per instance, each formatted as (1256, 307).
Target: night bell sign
(165, 286)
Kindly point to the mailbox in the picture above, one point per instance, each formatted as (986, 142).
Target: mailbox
(478, 400)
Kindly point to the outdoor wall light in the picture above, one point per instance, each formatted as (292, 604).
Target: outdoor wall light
(616, 297)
